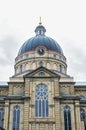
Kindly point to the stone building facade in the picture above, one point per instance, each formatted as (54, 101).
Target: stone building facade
(41, 95)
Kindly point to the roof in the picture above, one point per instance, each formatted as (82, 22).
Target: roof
(40, 40)
(3, 83)
(80, 83)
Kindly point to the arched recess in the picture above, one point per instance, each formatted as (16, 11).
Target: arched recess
(33, 65)
(55, 66)
(26, 66)
(48, 66)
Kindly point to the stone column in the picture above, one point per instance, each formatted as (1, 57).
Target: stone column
(77, 115)
(6, 115)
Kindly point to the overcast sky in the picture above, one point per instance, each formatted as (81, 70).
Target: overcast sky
(64, 20)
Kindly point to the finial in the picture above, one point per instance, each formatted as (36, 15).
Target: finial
(40, 21)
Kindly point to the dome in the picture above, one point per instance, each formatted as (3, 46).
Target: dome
(40, 40)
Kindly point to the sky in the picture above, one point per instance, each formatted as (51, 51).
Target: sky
(64, 20)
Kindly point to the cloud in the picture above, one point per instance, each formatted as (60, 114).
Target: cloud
(8, 50)
(76, 59)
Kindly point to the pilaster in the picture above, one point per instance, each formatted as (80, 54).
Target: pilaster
(77, 115)
(57, 115)
(27, 87)
(56, 86)
(10, 89)
(57, 106)
(26, 114)
(6, 115)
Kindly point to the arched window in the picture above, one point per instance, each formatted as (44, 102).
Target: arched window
(27, 55)
(54, 56)
(16, 118)
(21, 68)
(60, 68)
(82, 114)
(1, 117)
(83, 117)
(41, 101)
(67, 118)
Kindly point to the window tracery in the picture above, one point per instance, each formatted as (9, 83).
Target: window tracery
(41, 101)
(67, 118)
(16, 118)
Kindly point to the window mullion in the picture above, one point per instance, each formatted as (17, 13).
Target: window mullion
(37, 108)
(45, 108)
(16, 121)
(41, 108)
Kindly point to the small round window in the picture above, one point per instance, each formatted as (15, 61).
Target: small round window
(41, 63)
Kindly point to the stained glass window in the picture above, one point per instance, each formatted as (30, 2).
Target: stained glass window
(82, 114)
(16, 118)
(41, 101)
(1, 117)
(67, 118)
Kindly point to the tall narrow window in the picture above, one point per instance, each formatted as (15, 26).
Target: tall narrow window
(67, 118)
(60, 68)
(16, 118)
(1, 117)
(41, 101)
(20, 68)
(82, 114)
(83, 117)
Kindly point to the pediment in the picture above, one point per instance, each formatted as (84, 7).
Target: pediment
(41, 72)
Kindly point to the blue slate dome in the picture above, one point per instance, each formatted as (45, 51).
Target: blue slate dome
(40, 40)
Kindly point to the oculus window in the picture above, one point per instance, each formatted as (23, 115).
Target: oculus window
(41, 63)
